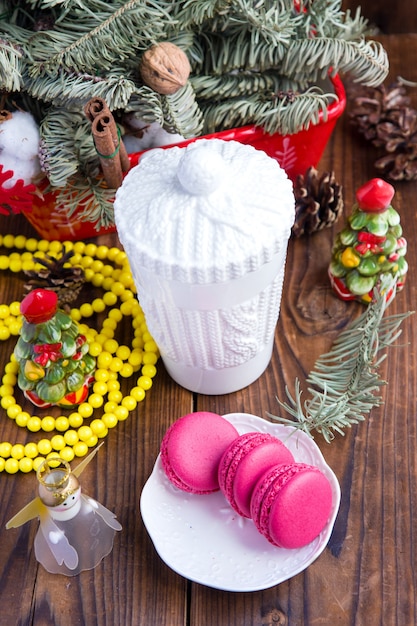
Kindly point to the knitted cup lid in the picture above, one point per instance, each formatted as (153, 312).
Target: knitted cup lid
(207, 213)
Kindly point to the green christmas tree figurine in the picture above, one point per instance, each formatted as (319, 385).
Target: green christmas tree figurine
(54, 365)
(370, 246)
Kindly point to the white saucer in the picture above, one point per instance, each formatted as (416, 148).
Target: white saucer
(204, 540)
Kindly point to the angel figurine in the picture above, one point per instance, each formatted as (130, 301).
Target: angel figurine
(75, 531)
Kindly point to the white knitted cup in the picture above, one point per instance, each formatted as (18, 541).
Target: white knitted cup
(205, 229)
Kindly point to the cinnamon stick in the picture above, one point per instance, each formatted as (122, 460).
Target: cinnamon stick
(110, 148)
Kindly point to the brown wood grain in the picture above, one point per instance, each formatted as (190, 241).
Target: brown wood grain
(367, 574)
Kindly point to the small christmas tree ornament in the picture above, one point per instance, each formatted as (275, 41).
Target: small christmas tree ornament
(370, 246)
(54, 365)
(165, 68)
(318, 202)
(75, 531)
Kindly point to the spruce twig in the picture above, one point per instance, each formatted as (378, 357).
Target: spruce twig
(344, 382)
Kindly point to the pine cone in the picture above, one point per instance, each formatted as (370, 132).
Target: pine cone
(59, 276)
(318, 202)
(385, 118)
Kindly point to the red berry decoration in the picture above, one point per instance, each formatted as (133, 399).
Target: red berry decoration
(370, 246)
(39, 306)
(375, 196)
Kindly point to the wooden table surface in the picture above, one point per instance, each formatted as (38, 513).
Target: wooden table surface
(367, 573)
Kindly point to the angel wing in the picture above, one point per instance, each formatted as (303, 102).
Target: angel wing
(104, 513)
(81, 466)
(33, 509)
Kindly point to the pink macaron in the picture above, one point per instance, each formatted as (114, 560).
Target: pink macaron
(244, 462)
(192, 448)
(291, 504)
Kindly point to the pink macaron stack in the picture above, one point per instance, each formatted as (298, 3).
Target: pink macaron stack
(289, 502)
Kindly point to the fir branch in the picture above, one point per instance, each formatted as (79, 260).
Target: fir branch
(92, 201)
(182, 114)
(276, 114)
(367, 61)
(239, 84)
(99, 39)
(74, 88)
(345, 381)
(11, 66)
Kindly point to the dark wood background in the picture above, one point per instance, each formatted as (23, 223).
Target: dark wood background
(367, 574)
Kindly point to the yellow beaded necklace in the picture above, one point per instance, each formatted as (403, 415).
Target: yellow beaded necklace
(108, 269)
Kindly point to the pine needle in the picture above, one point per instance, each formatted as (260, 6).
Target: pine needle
(344, 384)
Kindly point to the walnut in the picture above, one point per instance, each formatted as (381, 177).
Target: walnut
(165, 68)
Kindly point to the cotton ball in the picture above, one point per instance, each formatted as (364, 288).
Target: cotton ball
(152, 136)
(22, 170)
(19, 135)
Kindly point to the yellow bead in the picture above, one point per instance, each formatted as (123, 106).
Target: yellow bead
(101, 375)
(5, 449)
(135, 358)
(150, 358)
(95, 400)
(37, 462)
(11, 466)
(97, 279)
(116, 364)
(126, 307)
(111, 346)
(86, 310)
(4, 311)
(90, 249)
(138, 393)
(4, 333)
(115, 314)
(150, 346)
(44, 446)
(7, 389)
(76, 315)
(110, 407)
(18, 451)
(88, 273)
(101, 252)
(118, 288)
(2, 464)
(19, 242)
(54, 246)
(58, 442)
(71, 437)
(62, 423)
(85, 410)
(31, 244)
(48, 423)
(25, 465)
(98, 427)
(15, 265)
(149, 370)
(115, 396)
(9, 379)
(33, 424)
(97, 266)
(113, 384)
(107, 333)
(129, 402)
(110, 420)
(127, 370)
(100, 388)
(80, 448)
(95, 348)
(67, 454)
(145, 382)
(15, 327)
(104, 359)
(85, 433)
(7, 402)
(98, 305)
(92, 441)
(121, 413)
(123, 352)
(110, 323)
(110, 298)
(31, 450)
(13, 411)
(14, 308)
(75, 420)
